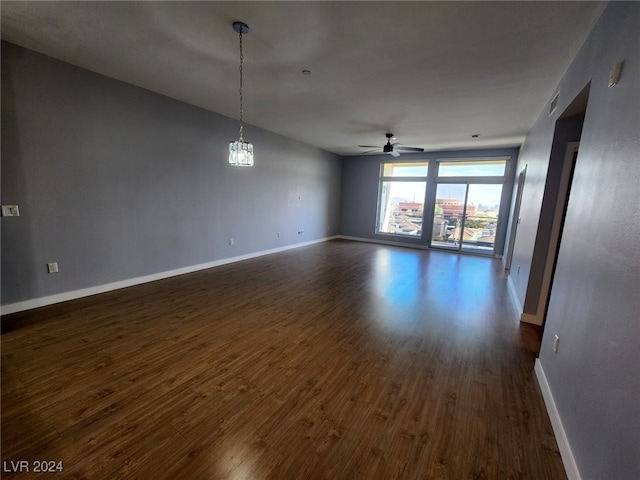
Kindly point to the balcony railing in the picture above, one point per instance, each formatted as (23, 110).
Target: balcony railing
(475, 233)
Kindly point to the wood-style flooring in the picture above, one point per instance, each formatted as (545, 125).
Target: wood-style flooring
(340, 360)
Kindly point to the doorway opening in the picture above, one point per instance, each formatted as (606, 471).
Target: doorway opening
(564, 154)
(515, 218)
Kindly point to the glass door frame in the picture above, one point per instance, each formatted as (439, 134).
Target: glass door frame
(460, 221)
(505, 180)
(489, 224)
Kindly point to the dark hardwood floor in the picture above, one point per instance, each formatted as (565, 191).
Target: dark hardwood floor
(340, 360)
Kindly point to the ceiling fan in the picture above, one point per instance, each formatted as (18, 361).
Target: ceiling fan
(391, 148)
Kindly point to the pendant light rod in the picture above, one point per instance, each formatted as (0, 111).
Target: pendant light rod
(241, 152)
(241, 28)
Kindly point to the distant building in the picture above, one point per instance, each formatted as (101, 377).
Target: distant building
(410, 207)
(447, 201)
(453, 207)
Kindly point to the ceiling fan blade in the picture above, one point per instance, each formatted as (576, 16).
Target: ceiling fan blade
(391, 148)
(411, 149)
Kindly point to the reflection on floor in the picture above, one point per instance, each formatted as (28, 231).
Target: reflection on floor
(340, 360)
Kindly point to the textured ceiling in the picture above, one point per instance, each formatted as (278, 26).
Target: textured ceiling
(433, 73)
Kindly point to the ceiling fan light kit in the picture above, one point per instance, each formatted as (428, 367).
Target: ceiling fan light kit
(391, 148)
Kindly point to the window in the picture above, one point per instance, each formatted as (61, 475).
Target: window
(475, 168)
(401, 198)
(458, 204)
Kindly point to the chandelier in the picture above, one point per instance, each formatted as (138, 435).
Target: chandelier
(240, 152)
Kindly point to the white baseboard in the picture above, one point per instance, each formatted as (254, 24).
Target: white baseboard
(85, 292)
(529, 318)
(561, 438)
(523, 317)
(514, 294)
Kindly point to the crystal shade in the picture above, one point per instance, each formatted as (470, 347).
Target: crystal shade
(241, 153)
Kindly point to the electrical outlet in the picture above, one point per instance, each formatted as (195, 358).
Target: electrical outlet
(556, 343)
(52, 267)
(10, 211)
(278, 234)
(231, 241)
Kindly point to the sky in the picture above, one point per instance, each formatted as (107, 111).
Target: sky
(479, 194)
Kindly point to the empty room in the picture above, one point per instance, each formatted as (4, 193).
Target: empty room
(320, 240)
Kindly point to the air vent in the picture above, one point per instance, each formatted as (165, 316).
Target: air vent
(554, 103)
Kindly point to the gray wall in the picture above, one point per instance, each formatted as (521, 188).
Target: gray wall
(595, 299)
(115, 182)
(360, 181)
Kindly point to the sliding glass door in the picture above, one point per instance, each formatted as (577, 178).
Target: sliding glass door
(466, 217)
(481, 218)
(448, 216)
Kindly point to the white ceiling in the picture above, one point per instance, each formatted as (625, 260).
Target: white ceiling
(433, 73)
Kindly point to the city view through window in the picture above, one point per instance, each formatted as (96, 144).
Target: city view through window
(465, 216)
(469, 226)
(403, 209)
(402, 184)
